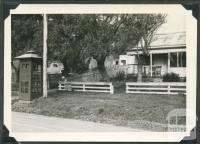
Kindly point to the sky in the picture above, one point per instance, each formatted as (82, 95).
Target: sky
(174, 23)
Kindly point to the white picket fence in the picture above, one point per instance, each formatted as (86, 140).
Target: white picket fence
(87, 86)
(155, 88)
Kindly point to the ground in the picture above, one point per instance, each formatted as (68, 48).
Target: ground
(131, 110)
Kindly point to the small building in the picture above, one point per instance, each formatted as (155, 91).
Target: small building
(30, 76)
(167, 54)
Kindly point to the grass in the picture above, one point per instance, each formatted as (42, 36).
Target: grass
(118, 109)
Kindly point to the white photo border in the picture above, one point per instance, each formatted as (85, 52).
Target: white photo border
(191, 49)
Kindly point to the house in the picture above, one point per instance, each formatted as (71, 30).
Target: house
(167, 54)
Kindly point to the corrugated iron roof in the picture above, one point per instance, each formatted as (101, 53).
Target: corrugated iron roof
(29, 54)
(175, 39)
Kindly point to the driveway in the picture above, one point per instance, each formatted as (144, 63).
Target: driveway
(23, 122)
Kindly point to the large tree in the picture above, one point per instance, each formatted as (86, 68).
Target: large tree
(99, 42)
(65, 38)
(114, 34)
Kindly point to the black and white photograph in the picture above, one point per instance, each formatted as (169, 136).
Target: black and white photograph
(99, 72)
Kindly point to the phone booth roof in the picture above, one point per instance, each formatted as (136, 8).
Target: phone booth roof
(29, 54)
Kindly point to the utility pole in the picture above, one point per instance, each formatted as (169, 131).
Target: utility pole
(45, 55)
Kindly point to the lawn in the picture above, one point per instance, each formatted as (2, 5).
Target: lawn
(130, 110)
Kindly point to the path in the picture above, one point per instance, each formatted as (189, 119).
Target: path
(23, 122)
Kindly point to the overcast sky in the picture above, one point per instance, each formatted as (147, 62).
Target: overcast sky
(174, 23)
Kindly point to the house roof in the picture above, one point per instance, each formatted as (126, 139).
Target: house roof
(173, 40)
(29, 54)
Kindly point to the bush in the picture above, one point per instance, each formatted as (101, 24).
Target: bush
(119, 76)
(183, 79)
(171, 77)
(131, 78)
(100, 111)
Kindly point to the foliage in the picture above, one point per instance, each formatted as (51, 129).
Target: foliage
(119, 76)
(26, 34)
(73, 38)
(131, 78)
(171, 77)
(65, 34)
(147, 26)
(184, 79)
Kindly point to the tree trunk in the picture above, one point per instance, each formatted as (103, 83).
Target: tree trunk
(66, 67)
(102, 70)
(139, 75)
(16, 72)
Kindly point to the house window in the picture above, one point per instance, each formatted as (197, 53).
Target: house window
(178, 59)
(123, 62)
(182, 59)
(173, 60)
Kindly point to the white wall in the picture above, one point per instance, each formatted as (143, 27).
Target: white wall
(129, 59)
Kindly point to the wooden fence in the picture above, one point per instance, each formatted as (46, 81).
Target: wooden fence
(87, 86)
(155, 88)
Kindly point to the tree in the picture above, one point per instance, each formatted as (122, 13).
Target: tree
(99, 42)
(114, 34)
(138, 31)
(26, 34)
(148, 25)
(64, 41)
(73, 38)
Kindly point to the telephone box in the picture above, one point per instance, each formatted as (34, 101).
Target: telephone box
(30, 76)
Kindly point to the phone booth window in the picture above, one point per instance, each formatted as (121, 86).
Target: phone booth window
(35, 67)
(22, 87)
(26, 86)
(39, 68)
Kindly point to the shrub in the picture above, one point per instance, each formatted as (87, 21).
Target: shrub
(131, 78)
(171, 77)
(100, 111)
(120, 75)
(183, 79)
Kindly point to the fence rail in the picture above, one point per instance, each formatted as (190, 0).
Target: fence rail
(155, 88)
(87, 86)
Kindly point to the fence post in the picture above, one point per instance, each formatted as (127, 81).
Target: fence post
(168, 89)
(126, 88)
(111, 89)
(83, 87)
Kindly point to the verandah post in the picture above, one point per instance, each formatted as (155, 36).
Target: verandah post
(151, 64)
(168, 63)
